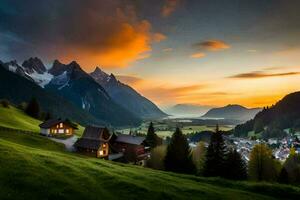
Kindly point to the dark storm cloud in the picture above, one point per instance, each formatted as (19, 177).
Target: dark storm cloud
(93, 31)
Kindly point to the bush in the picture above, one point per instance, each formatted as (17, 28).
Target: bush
(33, 108)
(157, 158)
(4, 103)
(22, 106)
(262, 165)
(199, 154)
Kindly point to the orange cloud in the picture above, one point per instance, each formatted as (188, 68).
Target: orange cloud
(167, 50)
(213, 45)
(198, 55)
(163, 94)
(261, 74)
(169, 7)
(158, 37)
(130, 80)
(121, 48)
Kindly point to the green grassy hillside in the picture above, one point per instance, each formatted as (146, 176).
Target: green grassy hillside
(14, 118)
(34, 167)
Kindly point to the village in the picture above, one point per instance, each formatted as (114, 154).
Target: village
(132, 147)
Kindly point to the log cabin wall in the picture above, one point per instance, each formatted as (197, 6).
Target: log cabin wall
(61, 128)
(103, 151)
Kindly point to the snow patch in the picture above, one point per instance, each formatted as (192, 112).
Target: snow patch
(85, 104)
(12, 68)
(41, 79)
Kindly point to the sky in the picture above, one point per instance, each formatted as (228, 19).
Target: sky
(205, 52)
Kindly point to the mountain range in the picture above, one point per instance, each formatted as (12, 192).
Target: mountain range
(126, 96)
(236, 112)
(105, 101)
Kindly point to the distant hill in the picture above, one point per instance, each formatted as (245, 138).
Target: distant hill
(236, 112)
(187, 110)
(284, 114)
(126, 96)
(18, 89)
(74, 84)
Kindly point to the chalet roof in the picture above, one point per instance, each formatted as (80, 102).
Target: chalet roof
(88, 143)
(52, 122)
(93, 137)
(95, 133)
(130, 139)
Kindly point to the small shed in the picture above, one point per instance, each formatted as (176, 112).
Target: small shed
(57, 127)
(94, 141)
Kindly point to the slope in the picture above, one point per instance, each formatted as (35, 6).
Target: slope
(284, 114)
(77, 86)
(34, 167)
(126, 96)
(18, 89)
(14, 118)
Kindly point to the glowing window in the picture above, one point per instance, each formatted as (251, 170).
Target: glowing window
(67, 131)
(61, 125)
(104, 145)
(101, 153)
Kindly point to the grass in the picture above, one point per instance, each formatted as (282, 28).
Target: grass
(14, 118)
(34, 167)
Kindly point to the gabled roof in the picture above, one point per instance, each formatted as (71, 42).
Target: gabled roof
(52, 122)
(93, 137)
(96, 133)
(130, 139)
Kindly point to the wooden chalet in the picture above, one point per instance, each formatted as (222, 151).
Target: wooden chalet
(94, 141)
(132, 146)
(54, 127)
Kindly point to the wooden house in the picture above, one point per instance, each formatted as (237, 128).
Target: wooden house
(54, 127)
(132, 146)
(94, 141)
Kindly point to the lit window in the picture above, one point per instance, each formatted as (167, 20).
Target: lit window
(67, 131)
(61, 125)
(101, 153)
(104, 145)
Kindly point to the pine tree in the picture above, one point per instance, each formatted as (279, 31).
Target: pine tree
(235, 166)
(215, 156)
(283, 176)
(178, 158)
(151, 138)
(33, 108)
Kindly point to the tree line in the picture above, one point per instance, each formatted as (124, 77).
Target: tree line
(219, 160)
(32, 108)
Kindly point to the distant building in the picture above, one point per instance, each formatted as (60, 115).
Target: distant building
(132, 146)
(94, 141)
(54, 127)
(98, 142)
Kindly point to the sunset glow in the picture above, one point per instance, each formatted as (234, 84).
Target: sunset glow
(170, 51)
